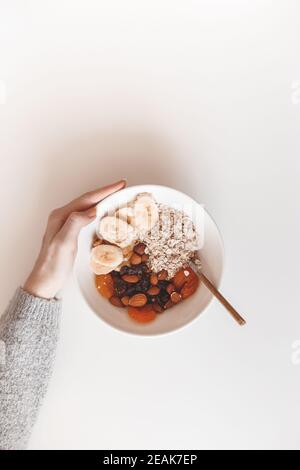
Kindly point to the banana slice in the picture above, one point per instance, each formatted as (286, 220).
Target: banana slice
(116, 231)
(105, 258)
(99, 269)
(125, 213)
(145, 213)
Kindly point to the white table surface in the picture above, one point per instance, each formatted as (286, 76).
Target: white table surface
(200, 95)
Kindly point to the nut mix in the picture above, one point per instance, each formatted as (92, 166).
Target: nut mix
(145, 267)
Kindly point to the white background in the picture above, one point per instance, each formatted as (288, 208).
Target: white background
(200, 95)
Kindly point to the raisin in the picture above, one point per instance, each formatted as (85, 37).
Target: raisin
(120, 287)
(163, 284)
(164, 296)
(115, 275)
(131, 290)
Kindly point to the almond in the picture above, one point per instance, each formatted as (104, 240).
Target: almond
(153, 290)
(116, 301)
(125, 300)
(154, 279)
(138, 300)
(145, 258)
(131, 278)
(135, 259)
(139, 249)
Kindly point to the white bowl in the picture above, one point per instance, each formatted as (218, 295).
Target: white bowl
(211, 254)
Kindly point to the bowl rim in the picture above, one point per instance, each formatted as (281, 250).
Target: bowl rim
(192, 320)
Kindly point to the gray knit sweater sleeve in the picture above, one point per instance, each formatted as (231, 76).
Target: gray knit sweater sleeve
(28, 337)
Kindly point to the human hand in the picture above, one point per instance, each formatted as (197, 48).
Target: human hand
(59, 247)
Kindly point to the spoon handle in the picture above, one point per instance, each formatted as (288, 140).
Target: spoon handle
(222, 299)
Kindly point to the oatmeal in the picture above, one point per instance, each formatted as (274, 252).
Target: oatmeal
(173, 241)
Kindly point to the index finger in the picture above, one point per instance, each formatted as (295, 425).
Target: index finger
(91, 198)
(82, 203)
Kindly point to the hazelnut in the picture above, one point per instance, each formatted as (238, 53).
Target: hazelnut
(162, 275)
(176, 297)
(139, 249)
(145, 258)
(170, 288)
(135, 259)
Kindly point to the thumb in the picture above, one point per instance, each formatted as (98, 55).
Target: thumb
(74, 223)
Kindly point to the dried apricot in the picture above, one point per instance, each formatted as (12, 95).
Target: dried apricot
(144, 314)
(190, 287)
(182, 276)
(105, 285)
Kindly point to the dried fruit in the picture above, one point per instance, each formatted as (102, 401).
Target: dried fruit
(138, 300)
(142, 315)
(130, 290)
(131, 278)
(158, 308)
(164, 296)
(116, 301)
(120, 286)
(176, 297)
(153, 290)
(139, 249)
(162, 275)
(154, 279)
(105, 285)
(170, 288)
(190, 288)
(125, 300)
(143, 285)
(169, 304)
(180, 278)
(135, 259)
(145, 258)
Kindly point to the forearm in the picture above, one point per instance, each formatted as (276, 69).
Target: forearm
(28, 336)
